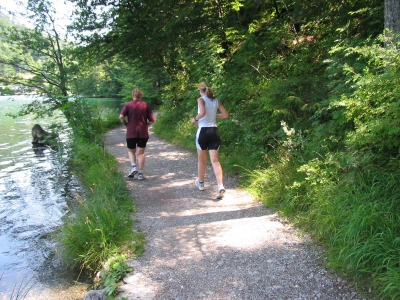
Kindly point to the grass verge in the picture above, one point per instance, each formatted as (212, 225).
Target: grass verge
(355, 215)
(99, 234)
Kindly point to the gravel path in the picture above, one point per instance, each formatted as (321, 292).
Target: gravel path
(201, 248)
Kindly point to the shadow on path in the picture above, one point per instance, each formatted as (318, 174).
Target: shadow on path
(199, 248)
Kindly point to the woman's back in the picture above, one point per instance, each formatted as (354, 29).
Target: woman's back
(211, 110)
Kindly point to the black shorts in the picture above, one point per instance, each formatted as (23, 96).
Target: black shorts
(140, 142)
(208, 138)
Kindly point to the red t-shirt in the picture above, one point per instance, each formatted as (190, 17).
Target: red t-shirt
(138, 113)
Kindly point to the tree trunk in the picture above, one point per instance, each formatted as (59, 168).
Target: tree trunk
(392, 15)
(392, 18)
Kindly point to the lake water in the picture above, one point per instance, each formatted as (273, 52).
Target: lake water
(36, 190)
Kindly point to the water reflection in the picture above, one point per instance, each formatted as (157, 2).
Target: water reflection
(36, 190)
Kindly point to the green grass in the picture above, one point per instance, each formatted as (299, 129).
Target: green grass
(355, 215)
(102, 222)
(99, 229)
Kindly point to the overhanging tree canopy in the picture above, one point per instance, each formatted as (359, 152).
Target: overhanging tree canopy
(48, 69)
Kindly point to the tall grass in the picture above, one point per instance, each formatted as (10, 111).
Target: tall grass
(100, 226)
(356, 215)
(367, 243)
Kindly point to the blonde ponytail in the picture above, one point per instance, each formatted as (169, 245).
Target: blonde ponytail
(205, 87)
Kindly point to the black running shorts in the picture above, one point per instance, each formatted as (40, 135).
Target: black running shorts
(140, 142)
(208, 138)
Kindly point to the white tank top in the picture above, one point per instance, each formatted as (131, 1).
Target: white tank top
(211, 110)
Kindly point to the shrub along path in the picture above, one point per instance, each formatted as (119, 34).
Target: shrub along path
(201, 248)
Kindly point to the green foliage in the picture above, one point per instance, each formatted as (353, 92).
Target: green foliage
(98, 232)
(313, 103)
(97, 81)
(347, 196)
(39, 56)
(312, 97)
(183, 136)
(40, 59)
(6, 51)
(101, 226)
(115, 269)
(274, 181)
(138, 75)
(365, 241)
(109, 120)
(85, 122)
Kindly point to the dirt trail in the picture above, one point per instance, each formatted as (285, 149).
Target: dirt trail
(201, 248)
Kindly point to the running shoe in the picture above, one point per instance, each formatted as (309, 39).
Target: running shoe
(133, 172)
(199, 184)
(140, 176)
(221, 193)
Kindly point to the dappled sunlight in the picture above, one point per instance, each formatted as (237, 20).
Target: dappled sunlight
(181, 183)
(205, 216)
(245, 234)
(174, 155)
(166, 176)
(123, 160)
(198, 250)
(229, 231)
(212, 249)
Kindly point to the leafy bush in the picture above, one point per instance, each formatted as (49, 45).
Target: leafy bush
(115, 269)
(347, 196)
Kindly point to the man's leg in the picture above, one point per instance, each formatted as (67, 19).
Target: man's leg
(132, 159)
(132, 156)
(140, 158)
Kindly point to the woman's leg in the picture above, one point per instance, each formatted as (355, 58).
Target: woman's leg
(201, 163)
(217, 167)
